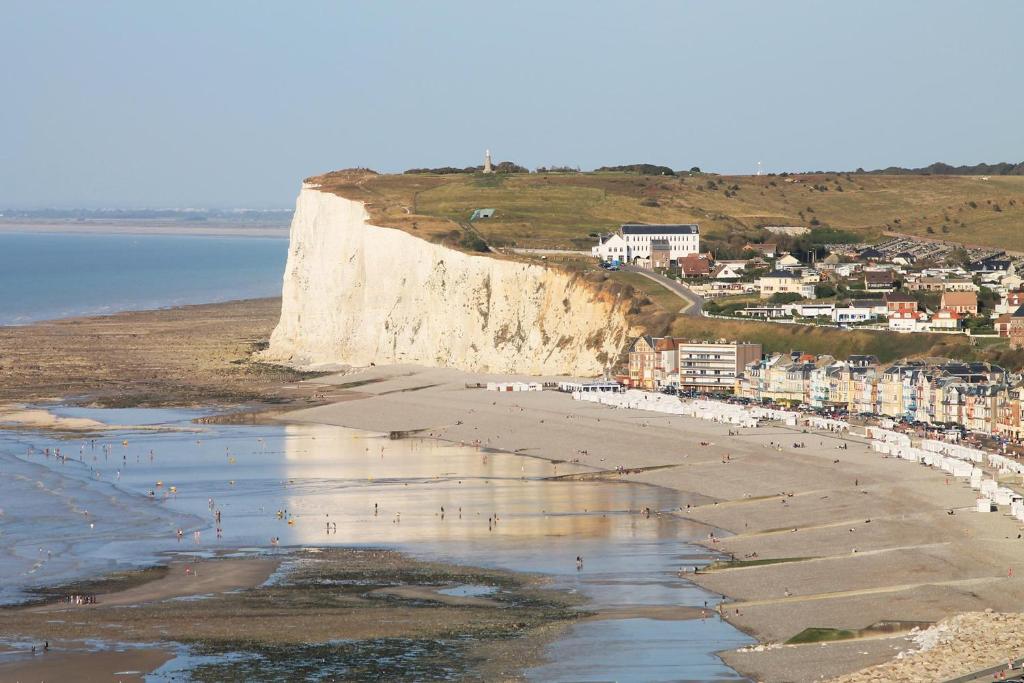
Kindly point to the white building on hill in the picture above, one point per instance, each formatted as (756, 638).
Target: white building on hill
(632, 244)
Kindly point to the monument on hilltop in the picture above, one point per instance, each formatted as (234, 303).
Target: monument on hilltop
(487, 162)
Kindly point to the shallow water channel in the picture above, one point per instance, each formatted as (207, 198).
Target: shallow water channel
(343, 487)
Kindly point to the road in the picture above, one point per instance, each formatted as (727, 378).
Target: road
(569, 252)
(694, 302)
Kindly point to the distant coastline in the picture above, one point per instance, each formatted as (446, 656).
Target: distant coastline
(144, 227)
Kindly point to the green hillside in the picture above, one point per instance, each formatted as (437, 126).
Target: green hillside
(560, 210)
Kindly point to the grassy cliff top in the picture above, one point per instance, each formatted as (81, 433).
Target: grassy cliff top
(561, 210)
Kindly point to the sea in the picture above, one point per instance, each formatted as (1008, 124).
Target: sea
(44, 276)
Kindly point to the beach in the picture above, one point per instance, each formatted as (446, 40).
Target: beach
(828, 536)
(188, 355)
(860, 541)
(477, 522)
(353, 613)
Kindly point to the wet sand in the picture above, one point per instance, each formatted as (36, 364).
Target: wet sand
(19, 416)
(122, 666)
(868, 539)
(317, 473)
(190, 355)
(359, 608)
(185, 578)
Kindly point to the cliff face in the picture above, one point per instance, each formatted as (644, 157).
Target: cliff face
(355, 293)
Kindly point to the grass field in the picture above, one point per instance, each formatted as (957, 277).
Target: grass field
(659, 295)
(562, 210)
(821, 635)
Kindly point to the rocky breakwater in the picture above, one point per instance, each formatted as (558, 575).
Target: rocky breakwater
(954, 647)
(356, 293)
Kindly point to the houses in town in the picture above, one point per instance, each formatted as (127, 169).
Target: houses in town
(637, 244)
(980, 397)
(879, 281)
(784, 282)
(898, 285)
(963, 303)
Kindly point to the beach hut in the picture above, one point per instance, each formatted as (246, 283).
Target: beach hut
(1004, 496)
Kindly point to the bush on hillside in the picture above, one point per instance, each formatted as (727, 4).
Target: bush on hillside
(642, 169)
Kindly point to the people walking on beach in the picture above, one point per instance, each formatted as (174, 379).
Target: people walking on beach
(579, 563)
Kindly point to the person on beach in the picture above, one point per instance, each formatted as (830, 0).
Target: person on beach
(579, 562)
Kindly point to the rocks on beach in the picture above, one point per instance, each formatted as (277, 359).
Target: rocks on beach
(956, 646)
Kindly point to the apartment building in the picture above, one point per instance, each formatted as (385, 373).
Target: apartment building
(702, 366)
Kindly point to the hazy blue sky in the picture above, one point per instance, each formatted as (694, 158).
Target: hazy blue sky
(232, 103)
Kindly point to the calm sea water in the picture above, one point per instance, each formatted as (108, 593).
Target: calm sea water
(46, 276)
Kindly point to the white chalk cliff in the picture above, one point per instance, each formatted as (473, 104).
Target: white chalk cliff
(355, 293)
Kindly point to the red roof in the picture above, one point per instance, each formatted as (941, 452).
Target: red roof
(695, 264)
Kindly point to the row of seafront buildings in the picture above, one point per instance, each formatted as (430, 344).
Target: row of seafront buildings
(979, 397)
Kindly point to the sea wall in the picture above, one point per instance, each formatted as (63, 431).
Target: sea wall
(356, 294)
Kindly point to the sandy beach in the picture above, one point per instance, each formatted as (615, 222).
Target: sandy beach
(864, 539)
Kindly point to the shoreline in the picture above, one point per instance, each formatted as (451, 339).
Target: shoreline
(86, 317)
(843, 539)
(142, 228)
(135, 596)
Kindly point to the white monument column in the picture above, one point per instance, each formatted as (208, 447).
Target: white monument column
(487, 162)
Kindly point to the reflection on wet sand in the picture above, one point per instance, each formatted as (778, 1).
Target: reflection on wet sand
(316, 485)
(427, 491)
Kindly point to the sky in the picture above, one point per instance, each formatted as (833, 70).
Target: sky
(230, 104)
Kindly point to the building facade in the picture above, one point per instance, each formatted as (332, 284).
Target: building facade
(633, 243)
(658, 362)
(714, 367)
(784, 282)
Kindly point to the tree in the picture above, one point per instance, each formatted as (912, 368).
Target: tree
(785, 298)
(641, 169)
(824, 290)
(959, 257)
